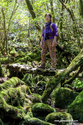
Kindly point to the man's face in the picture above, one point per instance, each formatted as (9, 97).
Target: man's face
(47, 18)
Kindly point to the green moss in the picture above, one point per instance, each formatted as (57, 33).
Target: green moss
(28, 79)
(35, 98)
(34, 121)
(39, 78)
(53, 117)
(31, 56)
(14, 82)
(13, 101)
(13, 52)
(40, 87)
(77, 84)
(41, 109)
(2, 74)
(10, 110)
(15, 96)
(63, 97)
(20, 53)
(76, 108)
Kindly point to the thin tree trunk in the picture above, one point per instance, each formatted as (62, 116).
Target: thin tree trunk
(32, 13)
(13, 12)
(47, 7)
(76, 29)
(61, 24)
(81, 7)
(5, 32)
(52, 10)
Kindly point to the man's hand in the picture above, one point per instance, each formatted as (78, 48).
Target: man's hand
(53, 44)
(41, 44)
(54, 41)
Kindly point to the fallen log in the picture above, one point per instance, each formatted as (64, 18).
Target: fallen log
(26, 69)
(17, 68)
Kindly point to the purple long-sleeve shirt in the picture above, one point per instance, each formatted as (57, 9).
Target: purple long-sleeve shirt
(51, 33)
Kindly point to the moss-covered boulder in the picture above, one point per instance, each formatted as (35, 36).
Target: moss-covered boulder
(14, 104)
(76, 108)
(15, 96)
(59, 118)
(34, 121)
(9, 110)
(64, 97)
(35, 98)
(41, 110)
(13, 83)
(13, 100)
(2, 74)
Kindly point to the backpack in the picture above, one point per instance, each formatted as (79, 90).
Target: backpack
(51, 29)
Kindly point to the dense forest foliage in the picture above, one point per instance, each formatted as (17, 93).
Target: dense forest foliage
(32, 99)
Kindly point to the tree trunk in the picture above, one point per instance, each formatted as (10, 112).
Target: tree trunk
(5, 31)
(81, 7)
(32, 13)
(61, 24)
(52, 10)
(75, 64)
(76, 29)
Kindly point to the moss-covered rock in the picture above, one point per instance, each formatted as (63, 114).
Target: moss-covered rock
(9, 110)
(2, 74)
(64, 97)
(15, 96)
(58, 117)
(41, 110)
(13, 82)
(34, 121)
(13, 101)
(76, 108)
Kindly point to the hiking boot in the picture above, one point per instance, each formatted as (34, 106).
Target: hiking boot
(42, 67)
(53, 69)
